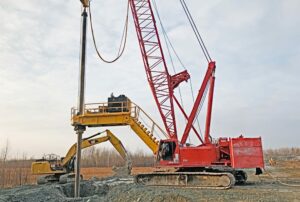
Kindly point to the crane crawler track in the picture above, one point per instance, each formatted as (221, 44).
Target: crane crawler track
(202, 180)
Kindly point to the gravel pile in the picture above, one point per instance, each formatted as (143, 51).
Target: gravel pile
(123, 189)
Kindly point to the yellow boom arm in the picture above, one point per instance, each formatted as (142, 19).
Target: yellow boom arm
(90, 141)
(59, 166)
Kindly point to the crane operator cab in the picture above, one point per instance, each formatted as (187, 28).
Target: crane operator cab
(166, 150)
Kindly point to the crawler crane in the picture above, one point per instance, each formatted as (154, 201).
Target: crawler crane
(210, 164)
(214, 164)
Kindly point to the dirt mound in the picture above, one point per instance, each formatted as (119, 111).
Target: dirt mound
(87, 189)
(123, 171)
(32, 193)
(55, 192)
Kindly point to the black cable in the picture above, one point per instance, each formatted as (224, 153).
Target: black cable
(195, 29)
(202, 101)
(167, 40)
(124, 38)
(168, 49)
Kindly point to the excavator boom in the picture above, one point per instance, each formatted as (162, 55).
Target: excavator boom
(54, 169)
(89, 142)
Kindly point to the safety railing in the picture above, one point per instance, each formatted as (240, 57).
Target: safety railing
(105, 107)
(141, 116)
(137, 113)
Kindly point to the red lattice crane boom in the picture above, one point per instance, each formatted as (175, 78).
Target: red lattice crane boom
(161, 83)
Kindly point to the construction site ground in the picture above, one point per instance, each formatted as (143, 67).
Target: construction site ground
(281, 182)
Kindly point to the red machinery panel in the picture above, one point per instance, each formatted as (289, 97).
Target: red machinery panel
(198, 156)
(246, 152)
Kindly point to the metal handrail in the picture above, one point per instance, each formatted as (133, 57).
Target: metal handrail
(153, 123)
(129, 107)
(103, 107)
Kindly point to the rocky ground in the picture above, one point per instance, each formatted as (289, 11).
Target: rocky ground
(282, 185)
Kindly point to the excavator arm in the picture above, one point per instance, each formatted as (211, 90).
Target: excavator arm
(90, 141)
(84, 144)
(117, 144)
(57, 167)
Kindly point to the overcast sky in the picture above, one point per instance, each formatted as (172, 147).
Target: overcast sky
(255, 44)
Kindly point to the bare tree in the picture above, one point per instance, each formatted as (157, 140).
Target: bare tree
(3, 159)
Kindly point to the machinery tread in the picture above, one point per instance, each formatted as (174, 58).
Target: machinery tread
(219, 180)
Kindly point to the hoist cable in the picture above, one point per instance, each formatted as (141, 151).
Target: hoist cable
(168, 41)
(193, 97)
(202, 100)
(190, 80)
(195, 29)
(123, 38)
(201, 43)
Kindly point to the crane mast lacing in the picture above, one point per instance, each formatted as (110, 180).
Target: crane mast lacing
(161, 82)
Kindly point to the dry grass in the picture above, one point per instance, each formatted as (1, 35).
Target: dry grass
(16, 177)
(96, 172)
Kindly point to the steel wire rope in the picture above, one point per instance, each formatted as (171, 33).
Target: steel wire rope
(169, 53)
(180, 61)
(168, 41)
(123, 38)
(202, 100)
(190, 81)
(199, 39)
(168, 49)
(195, 29)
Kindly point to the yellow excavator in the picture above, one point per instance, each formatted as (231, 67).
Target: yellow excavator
(52, 168)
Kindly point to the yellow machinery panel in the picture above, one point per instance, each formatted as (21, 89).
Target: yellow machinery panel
(44, 167)
(119, 114)
(102, 119)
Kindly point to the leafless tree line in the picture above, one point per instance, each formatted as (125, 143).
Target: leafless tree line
(283, 153)
(102, 157)
(14, 171)
(17, 171)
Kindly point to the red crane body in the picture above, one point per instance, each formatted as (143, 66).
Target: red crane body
(232, 153)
